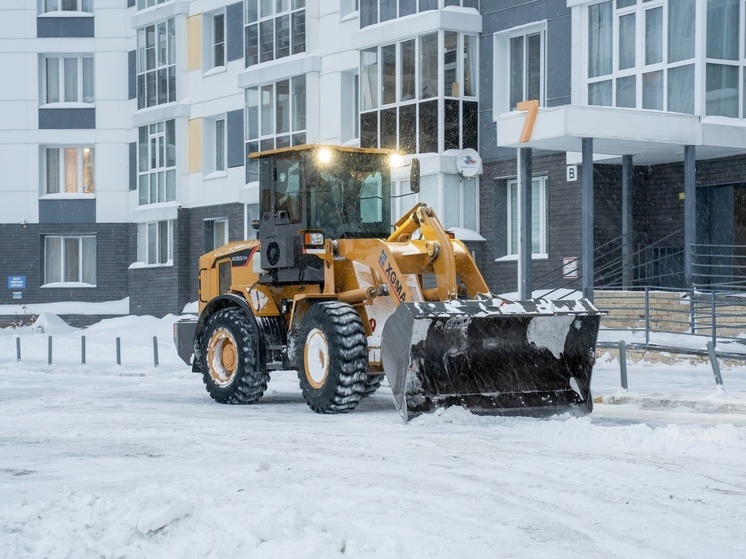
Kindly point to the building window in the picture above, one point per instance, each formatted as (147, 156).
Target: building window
(157, 162)
(70, 260)
(274, 29)
(214, 30)
(402, 112)
(347, 7)
(538, 216)
(68, 170)
(251, 221)
(52, 6)
(275, 117)
(155, 242)
(459, 207)
(156, 64)
(375, 11)
(142, 4)
(67, 79)
(642, 54)
(215, 142)
(216, 233)
(527, 68)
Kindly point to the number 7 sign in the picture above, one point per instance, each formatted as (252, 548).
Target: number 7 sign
(532, 108)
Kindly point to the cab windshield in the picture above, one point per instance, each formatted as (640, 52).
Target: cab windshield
(351, 196)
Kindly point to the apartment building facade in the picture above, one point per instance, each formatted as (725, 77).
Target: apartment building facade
(654, 91)
(127, 126)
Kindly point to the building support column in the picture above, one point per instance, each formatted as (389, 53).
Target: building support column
(524, 235)
(627, 228)
(586, 205)
(690, 211)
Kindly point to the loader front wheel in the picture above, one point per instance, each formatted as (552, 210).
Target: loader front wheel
(332, 367)
(229, 360)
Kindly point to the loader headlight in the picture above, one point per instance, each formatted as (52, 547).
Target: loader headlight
(396, 160)
(313, 239)
(324, 156)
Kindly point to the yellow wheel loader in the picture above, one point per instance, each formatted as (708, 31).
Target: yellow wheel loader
(334, 291)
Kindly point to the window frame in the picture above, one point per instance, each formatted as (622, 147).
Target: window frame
(145, 4)
(421, 93)
(63, 245)
(215, 146)
(85, 71)
(159, 161)
(162, 73)
(260, 120)
(433, 193)
(63, 171)
(83, 7)
(658, 83)
(145, 244)
(259, 27)
(543, 218)
(501, 88)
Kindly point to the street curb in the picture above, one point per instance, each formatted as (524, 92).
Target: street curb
(702, 406)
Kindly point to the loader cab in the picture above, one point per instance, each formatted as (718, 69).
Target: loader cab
(337, 191)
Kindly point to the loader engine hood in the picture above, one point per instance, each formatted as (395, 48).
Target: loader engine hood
(492, 356)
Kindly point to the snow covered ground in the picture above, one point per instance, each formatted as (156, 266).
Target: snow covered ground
(129, 461)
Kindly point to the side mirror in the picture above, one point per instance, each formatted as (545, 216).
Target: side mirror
(255, 225)
(414, 175)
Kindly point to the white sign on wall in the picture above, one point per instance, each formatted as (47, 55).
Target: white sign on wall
(572, 173)
(570, 267)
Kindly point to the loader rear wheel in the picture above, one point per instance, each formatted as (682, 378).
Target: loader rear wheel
(332, 368)
(229, 360)
(372, 383)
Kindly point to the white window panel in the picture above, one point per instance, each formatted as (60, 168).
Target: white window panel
(155, 242)
(70, 260)
(538, 216)
(68, 170)
(67, 79)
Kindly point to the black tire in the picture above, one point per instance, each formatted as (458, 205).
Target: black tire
(333, 362)
(372, 383)
(229, 358)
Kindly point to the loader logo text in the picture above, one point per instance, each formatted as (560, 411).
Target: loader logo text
(395, 283)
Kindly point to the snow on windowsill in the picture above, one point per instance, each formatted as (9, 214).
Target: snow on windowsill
(67, 284)
(68, 105)
(351, 16)
(215, 70)
(156, 205)
(514, 257)
(140, 265)
(66, 13)
(215, 175)
(463, 234)
(69, 196)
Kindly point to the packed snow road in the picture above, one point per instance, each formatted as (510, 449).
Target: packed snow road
(116, 462)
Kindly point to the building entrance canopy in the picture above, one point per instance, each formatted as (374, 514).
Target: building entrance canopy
(651, 137)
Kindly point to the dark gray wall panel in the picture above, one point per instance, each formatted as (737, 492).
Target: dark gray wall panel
(130, 3)
(112, 258)
(67, 119)
(131, 75)
(133, 166)
(67, 211)
(64, 27)
(234, 31)
(235, 138)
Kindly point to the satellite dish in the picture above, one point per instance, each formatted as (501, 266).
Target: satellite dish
(468, 162)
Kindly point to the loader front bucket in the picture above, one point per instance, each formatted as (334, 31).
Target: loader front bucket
(491, 356)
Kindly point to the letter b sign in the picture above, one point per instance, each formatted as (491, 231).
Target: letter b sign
(572, 173)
